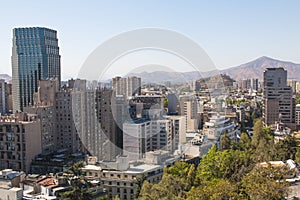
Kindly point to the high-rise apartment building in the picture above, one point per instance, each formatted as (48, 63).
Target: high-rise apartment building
(9, 97)
(278, 102)
(293, 85)
(134, 86)
(130, 86)
(189, 108)
(3, 97)
(66, 119)
(44, 108)
(144, 135)
(35, 56)
(20, 141)
(107, 120)
(119, 85)
(297, 117)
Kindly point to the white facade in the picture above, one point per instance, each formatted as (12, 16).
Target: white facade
(134, 139)
(297, 118)
(218, 126)
(145, 135)
(130, 86)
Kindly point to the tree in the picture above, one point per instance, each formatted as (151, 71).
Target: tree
(265, 151)
(297, 156)
(76, 169)
(179, 169)
(225, 142)
(170, 187)
(257, 132)
(265, 183)
(286, 149)
(139, 184)
(80, 185)
(165, 102)
(80, 191)
(116, 197)
(215, 190)
(245, 141)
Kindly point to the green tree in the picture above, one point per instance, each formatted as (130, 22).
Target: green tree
(297, 155)
(265, 183)
(116, 197)
(265, 151)
(76, 168)
(165, 102)
(139, 184)
(170, 187)
(257, 132)
(215, 190)
(80, 190)
(225, 142)
(179, 169)
(286, 149)
(80, 185)
(245, 141)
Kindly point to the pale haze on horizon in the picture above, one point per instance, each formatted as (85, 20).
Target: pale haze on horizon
(231, 32)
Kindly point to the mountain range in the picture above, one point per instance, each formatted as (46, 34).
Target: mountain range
(252, 69)
(6, 77)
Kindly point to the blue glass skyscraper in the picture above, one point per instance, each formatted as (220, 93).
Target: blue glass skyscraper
(35, 56)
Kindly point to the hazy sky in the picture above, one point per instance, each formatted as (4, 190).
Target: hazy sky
(231, 32)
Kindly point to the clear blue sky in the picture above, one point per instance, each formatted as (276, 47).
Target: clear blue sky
(231, 32)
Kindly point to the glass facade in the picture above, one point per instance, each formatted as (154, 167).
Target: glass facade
(35, 56)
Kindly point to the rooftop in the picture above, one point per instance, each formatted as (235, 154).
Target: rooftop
(141, 168)
(272, 163)
(47, 182)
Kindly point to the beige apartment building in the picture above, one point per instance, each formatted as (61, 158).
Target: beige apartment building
(20, 141)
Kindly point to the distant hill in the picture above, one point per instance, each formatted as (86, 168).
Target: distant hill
(253, 69)
(163, 76)
(6, 77)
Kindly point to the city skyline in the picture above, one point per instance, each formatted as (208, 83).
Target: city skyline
(244, 31)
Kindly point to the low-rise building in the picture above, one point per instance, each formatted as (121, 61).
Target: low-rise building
(9, 184)
(122, 177)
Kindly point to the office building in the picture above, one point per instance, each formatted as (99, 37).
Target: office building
(173, 104)
(279, 106)
(35, 56)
